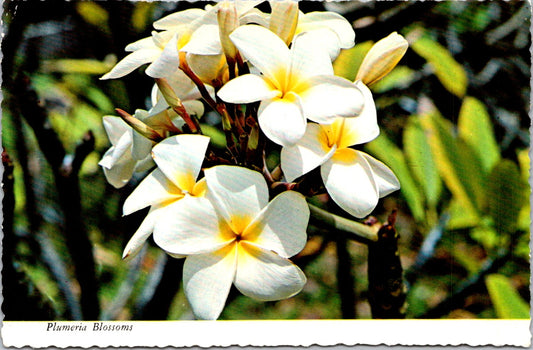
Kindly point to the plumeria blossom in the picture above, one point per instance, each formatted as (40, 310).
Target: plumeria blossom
(353, 179)
(295, 84)
(172, 187)
(125, 156)
(235, 236)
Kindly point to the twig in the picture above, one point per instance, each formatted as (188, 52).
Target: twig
(357, 231)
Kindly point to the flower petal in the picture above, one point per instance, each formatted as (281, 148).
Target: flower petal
(264, 275)
(311, 151)
(246, 89)
(115, 127)
(363, 128)
(191, 226)
(281, 226)
(180, 158)
(385, 178)
(309, 59)
(350, 182)
(178, 18)
(155, 189)
(167, 61)
(330, 96)
(264, 49)
(131, 62)
(282, 120)
(238, 193)
(207, 280)
(140, 236)
(204, 41)
(331, 20)
(117, 172)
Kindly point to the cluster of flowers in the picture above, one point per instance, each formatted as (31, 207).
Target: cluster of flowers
(269, 77)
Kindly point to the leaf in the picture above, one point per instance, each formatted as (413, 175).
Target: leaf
(385, 150)
(142, 15)
(475, 129)
(458, 166)
(460, 216)
(218, 139)
(421, 162)
(348, 62)
(399, 77)
(506, 195)
(506, 300)
(450, 73)
(93, 14)
(82, 65)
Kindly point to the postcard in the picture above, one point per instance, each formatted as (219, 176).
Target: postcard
(266, 173)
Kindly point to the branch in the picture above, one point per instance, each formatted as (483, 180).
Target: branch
(65, 170)
(356, 231)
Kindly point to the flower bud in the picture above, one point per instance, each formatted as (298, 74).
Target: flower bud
(227, 22)
(382, 58)
(284, 19)
(139, 126)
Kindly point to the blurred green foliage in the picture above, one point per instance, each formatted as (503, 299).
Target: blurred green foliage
(454, 129)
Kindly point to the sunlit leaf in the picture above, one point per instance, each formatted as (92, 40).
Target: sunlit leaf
(486, 235)
(461, 216)
(506, 195)
(93, 13)
(348, 62)
(475, 128)
(218, 139)
(84, 66)
(458, 165)
(450, 73)
(386, 151)
(421, 162)
(142, 15)
(399, 77)
(524, 163)
(506, 300)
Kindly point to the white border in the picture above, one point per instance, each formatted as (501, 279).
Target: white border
(269, 333)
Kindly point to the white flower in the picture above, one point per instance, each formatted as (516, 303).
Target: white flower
(237, 237)
(129, 153)
(295, 84)
(170, 188)
(353, 179)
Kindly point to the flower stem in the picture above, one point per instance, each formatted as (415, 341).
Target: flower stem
(357, 231)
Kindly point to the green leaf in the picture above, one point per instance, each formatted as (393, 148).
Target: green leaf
(487, 236)
(458, 166)
(400, 77)
(83, 65)
(142, 15)
(475, 128)
(218, 139)
(93, 14)
(506, 195)
(386, 151)
(421, 162)
(506, 300)
(461, 216)
(450, 73)
(348, 62)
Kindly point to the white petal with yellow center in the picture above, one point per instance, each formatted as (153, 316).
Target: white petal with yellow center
(248, 88)
(281, 225)
(282, 120)
(192, 227)
(140, 236)
(180, 158)
(350, 182)
(155, 189)
(264, 49)
(239, 194)
(166, 62)
(311, 151)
